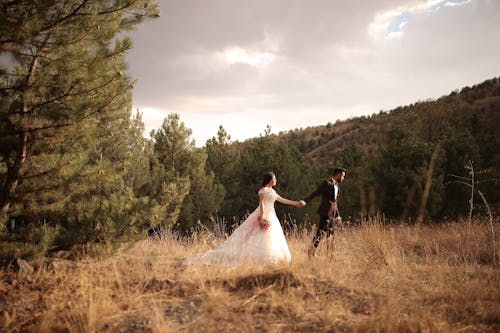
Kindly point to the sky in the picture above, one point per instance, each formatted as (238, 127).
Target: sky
(298, 63)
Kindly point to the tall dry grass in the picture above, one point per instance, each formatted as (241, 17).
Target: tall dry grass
(377, 279)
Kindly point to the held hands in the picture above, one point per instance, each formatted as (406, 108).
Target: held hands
(300, 203)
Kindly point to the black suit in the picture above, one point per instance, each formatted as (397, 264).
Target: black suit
(327, 211)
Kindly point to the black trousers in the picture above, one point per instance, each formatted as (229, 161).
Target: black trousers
(325, 228)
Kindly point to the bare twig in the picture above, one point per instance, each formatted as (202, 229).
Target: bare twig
(471, 183)
(491, 226)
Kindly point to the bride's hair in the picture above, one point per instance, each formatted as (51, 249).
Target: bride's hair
(267, 178)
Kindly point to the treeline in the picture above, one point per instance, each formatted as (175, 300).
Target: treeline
(418, 162)
(412, 163)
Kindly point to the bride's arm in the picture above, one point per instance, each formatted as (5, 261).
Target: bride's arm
(261, 205)
(288, 202)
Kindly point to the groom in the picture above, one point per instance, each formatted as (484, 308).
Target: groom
(328, 210)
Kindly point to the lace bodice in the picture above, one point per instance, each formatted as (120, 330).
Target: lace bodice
(270, 197)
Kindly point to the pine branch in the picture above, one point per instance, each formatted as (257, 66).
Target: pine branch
(460, 182)
(116, 10)
(99, 110)
(68, 93)
(51, 26)
(53, 100)
(46, 172)
(488, 180)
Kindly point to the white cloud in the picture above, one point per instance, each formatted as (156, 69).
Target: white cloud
(456, 3)
(394, 34)
(390, 23)
(239, 55)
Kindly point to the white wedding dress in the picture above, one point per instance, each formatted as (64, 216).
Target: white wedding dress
(249, 243)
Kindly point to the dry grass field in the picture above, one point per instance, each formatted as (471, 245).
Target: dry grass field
(378, 279)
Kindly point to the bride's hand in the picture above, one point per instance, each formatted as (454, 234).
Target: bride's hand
(264, 223)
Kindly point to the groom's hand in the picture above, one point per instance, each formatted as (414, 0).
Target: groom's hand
(302, 203)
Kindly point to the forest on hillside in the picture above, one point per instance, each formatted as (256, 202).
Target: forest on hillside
(75, 168)
(388, 154)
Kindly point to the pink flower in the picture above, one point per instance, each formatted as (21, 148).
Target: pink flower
(264, 223)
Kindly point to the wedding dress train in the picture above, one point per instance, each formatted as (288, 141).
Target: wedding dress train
(249, 243)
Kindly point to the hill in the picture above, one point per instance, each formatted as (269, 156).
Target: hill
(467, 109)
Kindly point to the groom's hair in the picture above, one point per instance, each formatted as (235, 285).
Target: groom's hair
(337, 171)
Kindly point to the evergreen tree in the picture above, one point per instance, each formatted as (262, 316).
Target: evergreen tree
(68, 69)
(357, 185)
(459, 147)
(400, 174)
(130, 199)
(295, 175)
(64, 103)
(185, 163)
(223, 158)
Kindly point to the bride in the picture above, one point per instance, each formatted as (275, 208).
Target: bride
(259, 239)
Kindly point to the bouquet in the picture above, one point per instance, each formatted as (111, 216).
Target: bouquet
(264, 223)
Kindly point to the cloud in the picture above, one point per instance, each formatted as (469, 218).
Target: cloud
(239, 55)
(294, 63)
(456, 3)
(390, 23)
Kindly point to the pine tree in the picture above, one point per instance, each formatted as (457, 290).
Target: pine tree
(64, 100)
(294, 173)
(184, 163)
(111, 207)
(358, 181)
(400, 173)
(223, 158)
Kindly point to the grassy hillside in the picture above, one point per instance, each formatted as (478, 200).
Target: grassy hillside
(378, 279)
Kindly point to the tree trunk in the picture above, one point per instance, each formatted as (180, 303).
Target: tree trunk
(13, 173)
(16, 164)
(428, 183)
